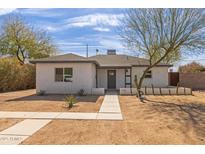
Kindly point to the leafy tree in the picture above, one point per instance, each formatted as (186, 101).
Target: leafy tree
(193, 67)
(161, 35)
(14, 76)
(23, 41)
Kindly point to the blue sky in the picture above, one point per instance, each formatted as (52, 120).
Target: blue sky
(72, 29)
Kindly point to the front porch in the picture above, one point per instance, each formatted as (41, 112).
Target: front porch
(113, 78)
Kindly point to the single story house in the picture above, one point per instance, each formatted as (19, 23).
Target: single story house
(69, 73)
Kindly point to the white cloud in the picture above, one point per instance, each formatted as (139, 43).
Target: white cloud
(94, 41)
(49, 28)
(111, 43)
(104, 42)
(94, 19)
(98, 21)
(41, 12)
(100, 29)
(68, 43)
(6, 11)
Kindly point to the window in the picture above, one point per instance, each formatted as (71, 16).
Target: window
(59, 74)
(68, 74)
(63, 74)
(148, 74)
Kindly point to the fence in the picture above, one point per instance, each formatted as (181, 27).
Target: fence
(196, 81)
(157, 91)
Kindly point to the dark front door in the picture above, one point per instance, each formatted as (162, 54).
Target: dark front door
(111, 79)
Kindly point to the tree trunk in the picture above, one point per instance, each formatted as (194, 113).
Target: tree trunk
(139, 85)
(18, 57)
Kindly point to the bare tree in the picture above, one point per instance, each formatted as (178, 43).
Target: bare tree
(163, 35)
(24, 41)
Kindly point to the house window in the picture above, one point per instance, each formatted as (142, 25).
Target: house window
(68, 74)
(63, 74)
(148, 74)
(59, 74)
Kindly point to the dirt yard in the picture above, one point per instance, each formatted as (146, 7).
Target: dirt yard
(6, 123)
(159, 120)
(27, 100)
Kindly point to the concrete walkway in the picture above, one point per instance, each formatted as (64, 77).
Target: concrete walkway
(110, 104)
(61, 115)
(21, 131)
(109, 110)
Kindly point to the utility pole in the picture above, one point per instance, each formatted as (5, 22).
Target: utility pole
(86, 50)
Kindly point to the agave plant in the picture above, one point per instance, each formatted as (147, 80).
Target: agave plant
(70, 101)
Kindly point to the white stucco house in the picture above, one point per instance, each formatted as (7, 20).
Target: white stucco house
(69, 73)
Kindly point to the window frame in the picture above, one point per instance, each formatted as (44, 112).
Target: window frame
(148, 75)
(69, 76)
(56, 74)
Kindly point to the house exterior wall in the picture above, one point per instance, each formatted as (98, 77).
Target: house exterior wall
(102, 78)
(83, 78)
(159, 76)
(93, 75)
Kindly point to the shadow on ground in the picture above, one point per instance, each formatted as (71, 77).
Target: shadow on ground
(53, 97)
(190, 115)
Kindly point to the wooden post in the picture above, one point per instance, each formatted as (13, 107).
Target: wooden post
(169, 92)
(184, 91)
(145, 90)
(191, 90)
(160, 91)
(177, 90)
(152, 89)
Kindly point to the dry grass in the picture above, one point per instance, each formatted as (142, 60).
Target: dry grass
(6, 123)
(160, 120)
(27, 100)
(167, 119)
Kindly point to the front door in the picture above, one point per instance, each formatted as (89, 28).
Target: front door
(111, 78)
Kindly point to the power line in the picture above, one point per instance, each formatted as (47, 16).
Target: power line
(86, 48)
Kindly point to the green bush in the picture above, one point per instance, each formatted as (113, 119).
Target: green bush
(14, 76)
(70, 101)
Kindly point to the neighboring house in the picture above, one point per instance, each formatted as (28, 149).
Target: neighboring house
(69, 73)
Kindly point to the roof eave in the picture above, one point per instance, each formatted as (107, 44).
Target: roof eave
(154, 66)
(111, 66)
(63, 61)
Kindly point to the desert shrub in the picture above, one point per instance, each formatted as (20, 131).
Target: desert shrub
(193, 67)
(81, 92)
(14, 76)
(70, 101)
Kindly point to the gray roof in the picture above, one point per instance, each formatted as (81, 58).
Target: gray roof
(100, 60)
(63, 59)
(121, 61)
